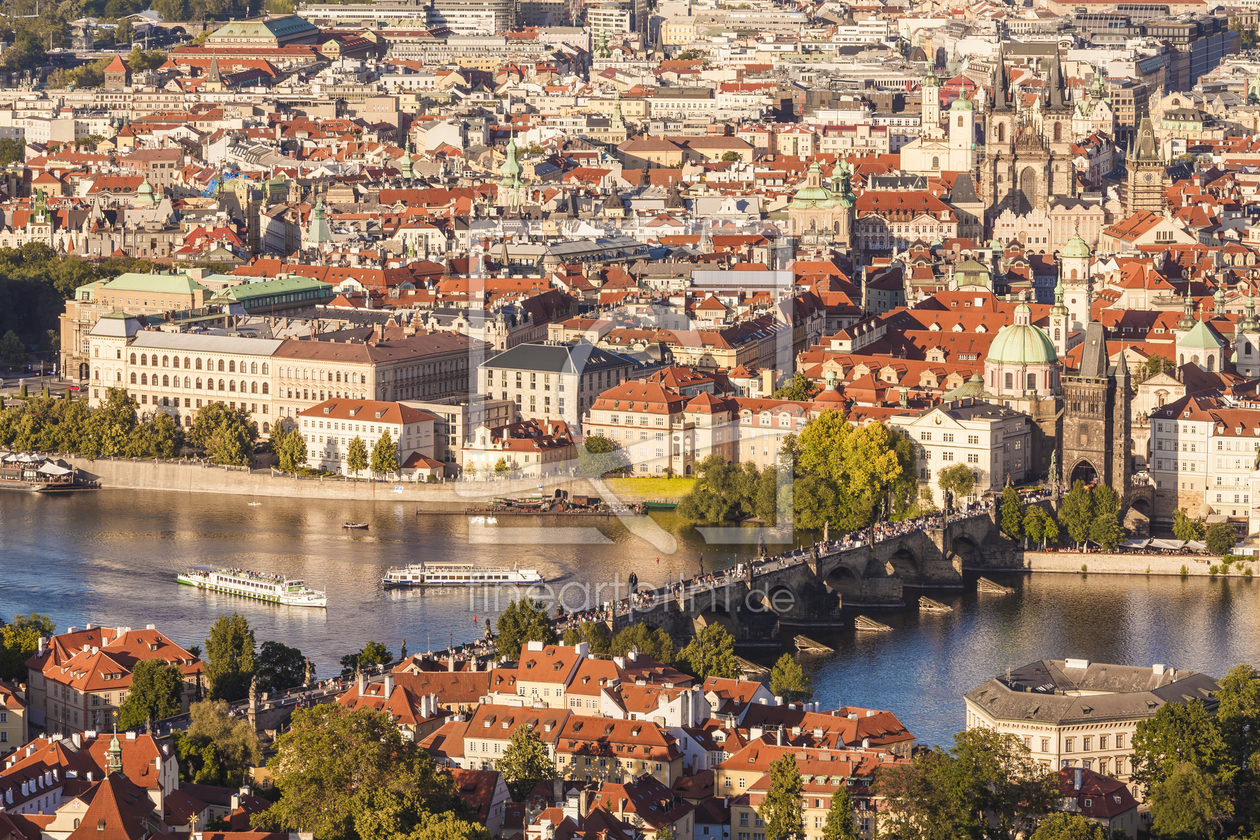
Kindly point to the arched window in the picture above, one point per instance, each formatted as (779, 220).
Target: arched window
(242, 386)
(221, 388)
(231, 384)
(936, 163)
(253, 387)
(118, 377)
(1056, 333)
(187, 364)
(188, 420)
(166, 381)
(1211, 362)
(133, 358)
(144, 359)
(133, 377)
(144, 379)
(1183, 359)
(960, 125)
(187, 382)
(220, 366)
(198, 383)
(1074, 274)
(165, 361)
(1058, 131)
(1032, 382)
(253, 367)
(1010, 380)
(265, 388)
(265, 369)
(266, 428)
(1001, 132)
(198, 364)
(232, 366)
(338, 376)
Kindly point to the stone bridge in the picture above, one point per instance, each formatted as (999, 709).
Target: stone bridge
(803, 590)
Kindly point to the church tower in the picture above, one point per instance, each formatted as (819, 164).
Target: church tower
(1060, 326)
(1056, 119)
(931, 105)
(962, 135)
(510, 182)
(1097, 405)
(1144, 187)
(1247, 342)
(999, 126)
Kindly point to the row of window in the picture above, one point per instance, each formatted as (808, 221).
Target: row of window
(189, 383)
(189, 364)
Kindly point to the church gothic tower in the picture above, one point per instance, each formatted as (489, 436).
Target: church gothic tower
(1144, 187)
(1097, 409)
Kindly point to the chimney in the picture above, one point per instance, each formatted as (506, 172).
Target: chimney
(450, 662)
(1076, 782)
(778, 737)
(767, 383)
(389, 684)
(362, 683)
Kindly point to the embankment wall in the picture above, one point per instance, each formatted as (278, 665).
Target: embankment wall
(1113, 564)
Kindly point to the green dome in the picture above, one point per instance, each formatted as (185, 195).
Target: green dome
(1075, 248)
(962, 103)
(1022, 343)
(808, 194)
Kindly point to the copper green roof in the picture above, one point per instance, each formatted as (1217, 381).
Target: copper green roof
(1022, 344)
(1200, 337)
(163, 284)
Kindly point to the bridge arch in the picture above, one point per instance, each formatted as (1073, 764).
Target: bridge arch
(1142, 506)
(904, 563)
(844, 582)
(1084, 471)
(964, 548)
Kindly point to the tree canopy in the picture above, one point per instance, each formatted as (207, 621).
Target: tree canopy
(710, 653)
(19, 641)
(230, 658)
(783, 809)
(524, 620)
(525, 762)
(601, 456)
(279, 667)
(154, 694)
(789, 681)
(217, 748)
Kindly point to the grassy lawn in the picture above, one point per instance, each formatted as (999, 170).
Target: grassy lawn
(650, 489)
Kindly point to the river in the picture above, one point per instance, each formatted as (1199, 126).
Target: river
(111, 557)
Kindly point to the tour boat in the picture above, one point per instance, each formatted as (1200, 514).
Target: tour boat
(276, 589)
(456, 574)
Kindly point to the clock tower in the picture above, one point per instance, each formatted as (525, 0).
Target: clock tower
(1145, 184)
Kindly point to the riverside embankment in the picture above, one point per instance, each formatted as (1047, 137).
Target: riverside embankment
(451, 496)
(1097, 563)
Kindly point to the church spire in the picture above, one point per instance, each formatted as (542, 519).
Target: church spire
(1187, 313)
(1057, 101)
(1001, 94)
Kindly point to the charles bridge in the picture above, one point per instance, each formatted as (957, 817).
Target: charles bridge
(808, 587)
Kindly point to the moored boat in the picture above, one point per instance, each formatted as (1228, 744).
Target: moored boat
(418, 575)
(360, 526)
(275, 589)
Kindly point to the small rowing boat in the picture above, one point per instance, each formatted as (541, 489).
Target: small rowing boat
(358, 526)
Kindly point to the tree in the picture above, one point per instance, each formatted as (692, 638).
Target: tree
(711, 653)
(841, 823)
(279, 667)
(789, 681)
(1106, 502)
(783, 809)
(525, 762)
(217, 748)
(1106, 531)
(1221, 538)
(1077, 513)
(729, 157)
(230, 658)
(1189, 803)
(1238, 721)
(600, 456)
(12, 350)
(593, 633)
(370, 656)
(171, 10)
(1185, 528)
(346, 775)
(801, 388)
(958, 481)
(1062, 826)
(226, 434)
(1050, 532)
(112, 423)
(154, 694)
(12, 150)
(649, 641)
(1035, 524)
(524, 620)
(19, 641)
(356, 456)
(502, 467)
(722, 491)
(1179, 733)
(385, 455)
(1012, 513)
(292, 451)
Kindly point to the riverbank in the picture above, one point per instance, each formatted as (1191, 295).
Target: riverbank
(1097, 563)
(448, 497)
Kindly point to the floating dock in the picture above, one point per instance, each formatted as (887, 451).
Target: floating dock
(751, 669)
(985, 585)
(811, 646)
(926, 604)
(870, 625)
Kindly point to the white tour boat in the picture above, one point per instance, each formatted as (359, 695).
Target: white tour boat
(276, 589)
(456, 574)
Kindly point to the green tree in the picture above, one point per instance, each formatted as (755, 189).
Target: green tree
(722, 491)
(1185, 528)
(385, 455)
(800, 388)
(649, 641)
(1062, 826)
(711, 653)
(292, 451)
(525, 762)
(1012, 513)
(1189, 803)
(600, 456)
(1178, 733)
(959, 481)
(112, 423)
(230, 658)
(728, 157)
(12, 150)
(1106, 502)
(841, 824)
(171, 10)
(502, 467)
(1238, 721)
(789, 680)
(783, 809)
(356, 456)
(12, 349)
(216, 749)
(350, 775)
(594, 633)
(1050, 532)
(1035, 524)
(279, 667)
(1077, 512)
(370, 656)
(1221, 538)
(154, 694)
(1106, 531)
(19, 641)
(524, 620)
(226, 434)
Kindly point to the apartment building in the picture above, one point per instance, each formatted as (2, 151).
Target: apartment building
(13, 718)
(1077, 713)
(78, 681)
(600, 749)
(553, 381)
(1203, 452)
(490, 729)
(330, 426)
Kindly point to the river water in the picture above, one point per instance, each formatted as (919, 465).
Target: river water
(111, 558)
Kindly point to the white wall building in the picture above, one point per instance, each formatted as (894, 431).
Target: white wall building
(330, 426)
